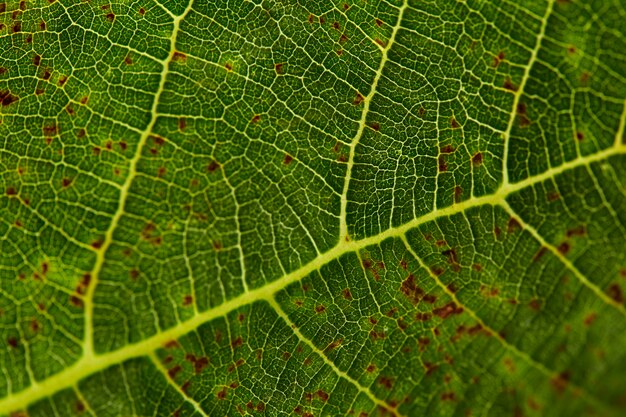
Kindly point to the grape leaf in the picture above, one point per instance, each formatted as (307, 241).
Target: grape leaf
(312, 208)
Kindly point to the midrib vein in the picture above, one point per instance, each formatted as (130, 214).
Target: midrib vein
(88, 348)
(343, 223)
(89, 365)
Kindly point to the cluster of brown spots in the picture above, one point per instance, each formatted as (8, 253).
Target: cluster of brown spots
(523, 119)
(385, 382)
(508, 84)
(448, 396)
(83, 284)
(50, 130)
(422, 343)
(410, 289)
(236, 365)
(198, 363)
(422, 316)
(615, 292)
(560, 382)
(179, 57)
(498, 59)
(374, 335)
(448, 310)
(236, 343)
(368, 265)
(172, 372)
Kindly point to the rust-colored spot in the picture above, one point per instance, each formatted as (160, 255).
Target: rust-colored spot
(477, 159)
(542, 251)
(458, 192)
(179, 57)
(358, 99)
(36, 60)
(447, 149)
(17, 27)
(422, 316)
(213, 166)
(453, 123)
(10, 191)
(513, 225)
(410, 289)
(320, 309)
(508, 84)
(498, 59)
(534, 304)
(128, 60)
(370, 368)
(142, 11)
(228, 66)
(221, 395)
(442, 165)
(378, 22)
(238, 342)
(380, 42)
(6, 98)
(42, 25)
(96, 244)
(590, 319)
(110, 17)
(448, 396)
(560, 382)
(172, 372)
(255, 119)
(279, 68)
(385, 382)
(564, 248)
(66, 182)
(187, 300)
(76, 301)
(448, 310)
(615, 292)
(322, 395)
(374, 126)
(346, 294)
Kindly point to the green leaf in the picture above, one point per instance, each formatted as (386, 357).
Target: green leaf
(312, 208)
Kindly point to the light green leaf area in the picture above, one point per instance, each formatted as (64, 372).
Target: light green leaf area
(312, 208)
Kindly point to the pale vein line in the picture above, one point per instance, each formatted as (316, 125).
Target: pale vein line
(519, 92)
(564, 260)
(157, 363)
(89, 365)
(620, 130)
(508, 346)
(343, 224)
(88, 350)
(365, 390)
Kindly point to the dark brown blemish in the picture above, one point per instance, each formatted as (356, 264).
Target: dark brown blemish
(347, 294)
(590, 319)
(498, 59)
(477, 159)
(534, 304)
(453, 123)
(453, 258)
(430, 368)
(255, 119)
(142, 11)
(96, 244)
(615, 292)
(42, 25)
(422, 316)
(448, 310)
(278, 68)
(513, 225)
(36, 60)
(128, 60)
(448, 396)
(11, 191)
(66, 182)
(17, 27)
(508, 84)
(228, 66)
(458, 192)
(410, 289)
(374, 126)
(447, 149)
(378, 22)
(110, 17)
(560, 382)
(386, 382)
(187, 300)
(179, 57)
(442, 165)
(221, 395)
(542, 251)
(213, 165)
(322, 395)
(380, 42)
(320, 309)
(238, 342)
(3, 7)
(576, 231)
(6, 98)
(358, 99)
(564, 248)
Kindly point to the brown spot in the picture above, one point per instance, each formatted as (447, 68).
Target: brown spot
(590, 319)
(336, 25)
(80, 406)
(128, 60)
(442, 165)
(17, 27)
(3, 7)
(615, 292)
(84, 100)
(213, 165)
(447, 149)
(6, 98)
(142, 11)
(238, 342)
(513, 225)
(498, 59)
(278, 68)
(358, 99)
(437, 271)
(422, 316)
(453, 123)
(134, 273)
(221, 395)
(187, 300)
(179, 57)
(260, 407)
(66, 182)
(430, 368)
(161, 172)
(347, 294)
(564, 248)
(255, 119)
(320, 309)
(42, 25)
(311, 18)
(11, 191)
(322, 395)
(374, 126)
(386, 382)
(453, 258)
(576, 231)
(228, 66)
(458, 192)
(477, 159)
(346, 6)
(378, 22)
(36, 60)
(448, 310)
(542, 251)
(380, 42)
(571, 49)
(343, 39)
(110, 17)
(534, 304)
(410, 289)
(560, 382)
(423, 342)
(96, 244)
(448, 396)
(508, 84)
(46, 75)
